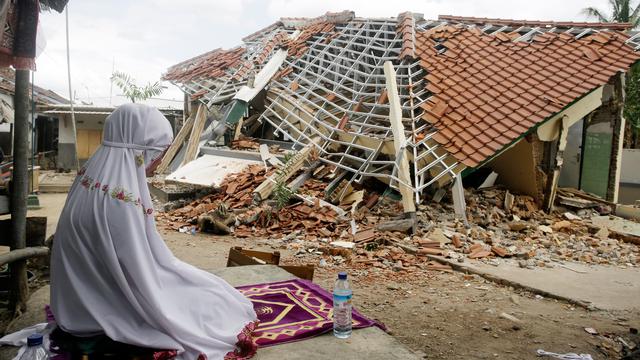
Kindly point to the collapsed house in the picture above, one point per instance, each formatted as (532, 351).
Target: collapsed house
(418, 103)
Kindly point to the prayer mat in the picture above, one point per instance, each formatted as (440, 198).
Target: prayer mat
(293, 310)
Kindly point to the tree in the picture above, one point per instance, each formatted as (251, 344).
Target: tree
(624, 11)
(621, 11)
(134, 92)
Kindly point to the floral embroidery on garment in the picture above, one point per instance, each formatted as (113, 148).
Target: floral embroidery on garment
(117, 193)
(140, 160)
(246, 346)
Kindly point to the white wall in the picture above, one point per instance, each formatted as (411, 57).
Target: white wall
(65, 133)
(630, 172)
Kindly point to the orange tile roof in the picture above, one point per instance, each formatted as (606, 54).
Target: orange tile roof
(212, 64)
(533, 23)
(215, 63)
(406, 27)
(489, 90)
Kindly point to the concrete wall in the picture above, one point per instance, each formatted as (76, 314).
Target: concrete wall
(66, 144)
(516, 168)
(5, 129)
(630, 177)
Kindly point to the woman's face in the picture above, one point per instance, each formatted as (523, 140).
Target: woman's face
(151, 168)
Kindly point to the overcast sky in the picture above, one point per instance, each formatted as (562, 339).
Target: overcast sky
(144, 37)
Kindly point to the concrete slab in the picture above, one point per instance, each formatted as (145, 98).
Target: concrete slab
(209, 170)
(370, 343)
(617, 224)
(52, 182)
(605, 287)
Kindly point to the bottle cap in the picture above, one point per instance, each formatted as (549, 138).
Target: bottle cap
(34, 339)
(342, 275)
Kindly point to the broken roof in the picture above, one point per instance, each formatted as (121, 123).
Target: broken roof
(489, 89)
(43, 96)
(468, 87)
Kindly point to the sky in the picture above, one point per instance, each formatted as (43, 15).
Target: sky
(144, 37)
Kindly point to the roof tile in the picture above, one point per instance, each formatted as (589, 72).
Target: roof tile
(510, 86)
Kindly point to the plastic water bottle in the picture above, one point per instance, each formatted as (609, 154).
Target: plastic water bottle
(342, 307)
(35, 349)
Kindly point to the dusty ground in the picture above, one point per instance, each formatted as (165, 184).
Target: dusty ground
(442, 315)
(446, 315)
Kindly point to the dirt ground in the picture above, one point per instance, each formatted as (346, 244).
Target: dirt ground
(437, 314)
(447, 315)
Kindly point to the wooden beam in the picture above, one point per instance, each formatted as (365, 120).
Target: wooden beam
(552, 185)
(238, 131)
(399, 139)
(194, 139)
(176, 145)
(459, 204)
(264, 190)
(550, 130)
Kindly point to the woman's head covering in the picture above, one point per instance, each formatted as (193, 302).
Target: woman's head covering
(138, 127)
(112, 273)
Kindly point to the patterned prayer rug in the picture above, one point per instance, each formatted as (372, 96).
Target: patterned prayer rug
(293, 310)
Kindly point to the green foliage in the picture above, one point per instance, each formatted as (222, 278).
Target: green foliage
(134, 92)
(632, 103)
(621, 11)
(287, 157)
(282, 194)
(372, 246)
(625, 11)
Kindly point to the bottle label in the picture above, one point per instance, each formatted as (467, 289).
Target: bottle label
(341, 298)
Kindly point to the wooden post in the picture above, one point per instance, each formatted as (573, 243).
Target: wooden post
(395, 117)
(264, 190)
(236, 134)
(618, 125)
(552, 182)
(175, 145)
(19, 191)
(194, 139)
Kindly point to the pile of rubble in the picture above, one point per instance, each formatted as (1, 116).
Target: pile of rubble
(500, 227)
(235, 194)
(519, 230)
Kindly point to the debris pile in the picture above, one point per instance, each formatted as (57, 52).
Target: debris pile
(501, 227)
(262, 219)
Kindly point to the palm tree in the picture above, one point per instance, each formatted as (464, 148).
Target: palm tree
(134, 92)
(624, 11)
(621, 11)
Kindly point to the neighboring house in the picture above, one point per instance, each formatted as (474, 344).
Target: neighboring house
(45, 126)
(475, 93)
(89, 123)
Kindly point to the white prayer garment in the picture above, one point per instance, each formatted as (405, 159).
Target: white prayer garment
(111, 272)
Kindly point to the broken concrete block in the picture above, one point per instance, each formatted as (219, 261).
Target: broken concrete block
(438, 235)
(343, 244)
(603, 233)
(508, 201)
(571, 216)
(545, 229)
(518, 225)
(564, 224)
